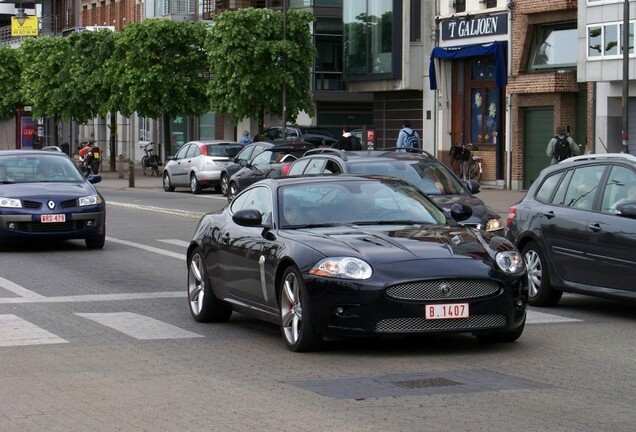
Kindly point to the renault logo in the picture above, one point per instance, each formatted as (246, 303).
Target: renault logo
(50, 205)
(445, 289)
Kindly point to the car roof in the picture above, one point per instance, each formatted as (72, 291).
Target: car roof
(33, 153)
(283, 181)
(213, 141)
(363, 155)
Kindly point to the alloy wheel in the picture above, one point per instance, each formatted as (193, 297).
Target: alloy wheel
(196, 285)
(291, 310)
(535, 272)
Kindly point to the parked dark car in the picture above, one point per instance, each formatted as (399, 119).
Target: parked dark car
(315, 135)
(248, 152)
(198, 165)
(43, 195)
(418, 167)
(353, 256)
(270, 163)
(576, 228)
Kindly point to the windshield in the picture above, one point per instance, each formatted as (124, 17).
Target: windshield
(355, 202)
(29, 168)
(427, 175)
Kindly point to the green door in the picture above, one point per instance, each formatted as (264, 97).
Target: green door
(539, 129)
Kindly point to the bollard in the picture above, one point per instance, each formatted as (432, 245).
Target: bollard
(119, 166)
(131, 174)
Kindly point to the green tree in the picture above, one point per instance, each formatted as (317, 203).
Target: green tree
(249, 60)
(43, 61)
(89, 81)
(158, 69)
(10, 99)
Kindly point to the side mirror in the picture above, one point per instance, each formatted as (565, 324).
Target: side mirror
(460, 212)
(473, 187)
(626, 209)
(248, 217)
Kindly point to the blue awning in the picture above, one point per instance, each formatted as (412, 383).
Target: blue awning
(499, 49)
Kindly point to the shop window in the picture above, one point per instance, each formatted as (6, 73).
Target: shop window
(416, 21)
(491, 4)
(459, 5)
(552, 47)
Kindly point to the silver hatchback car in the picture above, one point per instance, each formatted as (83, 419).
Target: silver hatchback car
(198, 165)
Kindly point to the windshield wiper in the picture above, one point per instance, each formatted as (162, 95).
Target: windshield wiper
(390, 222)
(322, 225)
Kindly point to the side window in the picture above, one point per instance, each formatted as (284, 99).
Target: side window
(547, 188)
(298, 167)
(620, 187)
(316, 166)
(258, 199)
(182, 152)
(559, 197)
(263, 158)
(332, 168)
(193, 151)
(583, 187)
(245, 154)
(240, 202)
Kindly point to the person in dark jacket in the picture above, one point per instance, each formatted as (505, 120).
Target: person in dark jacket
(347, 141)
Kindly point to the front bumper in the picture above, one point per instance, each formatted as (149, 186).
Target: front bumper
(78, 225)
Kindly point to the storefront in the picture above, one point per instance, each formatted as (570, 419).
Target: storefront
(469, 69)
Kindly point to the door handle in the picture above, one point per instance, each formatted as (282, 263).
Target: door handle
(226, 238)
(549, 214)
(596, 227)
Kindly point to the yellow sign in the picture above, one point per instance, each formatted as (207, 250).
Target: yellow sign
(29, 26)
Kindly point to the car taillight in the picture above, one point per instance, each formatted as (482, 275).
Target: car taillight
(512, 212)
(204, 150)
(284, 170)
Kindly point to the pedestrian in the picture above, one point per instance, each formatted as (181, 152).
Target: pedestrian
(246, 138)
(561, 147)
(347, 141)
(407, 138)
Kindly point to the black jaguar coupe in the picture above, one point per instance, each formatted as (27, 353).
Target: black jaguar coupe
(348, 256)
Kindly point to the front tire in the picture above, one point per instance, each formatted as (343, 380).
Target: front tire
(167, 184)
(204, 305)
(296, 323)
(96, 242)
(145, 165)
(474, 172)
(195, 186)
(540, 293)
(225, 184)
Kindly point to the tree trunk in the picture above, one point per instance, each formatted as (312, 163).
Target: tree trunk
(166, 136)
(113, 140)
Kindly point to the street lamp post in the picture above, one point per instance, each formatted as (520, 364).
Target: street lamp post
(284, 71)
(625, 135)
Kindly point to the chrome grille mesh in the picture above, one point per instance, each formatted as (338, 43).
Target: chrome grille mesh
(402, 325)
(432, 290)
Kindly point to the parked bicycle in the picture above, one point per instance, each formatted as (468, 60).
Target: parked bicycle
(150, 162)
(464, 163)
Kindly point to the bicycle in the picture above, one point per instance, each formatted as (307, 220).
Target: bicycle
(150, 162)
(459, 156)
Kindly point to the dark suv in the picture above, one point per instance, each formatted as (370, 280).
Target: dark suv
(315, 135)
(576, 227)
(418, 167)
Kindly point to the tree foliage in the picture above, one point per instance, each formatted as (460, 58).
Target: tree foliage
(249, 60)
(10, 99)
(43, 61)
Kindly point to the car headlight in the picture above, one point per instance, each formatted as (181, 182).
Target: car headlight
(511, 262)
(342, 267)
(494, 224)
(90, 200)
(10, 203)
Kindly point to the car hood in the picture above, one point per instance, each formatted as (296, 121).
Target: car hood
(382, 244)
(46, 190)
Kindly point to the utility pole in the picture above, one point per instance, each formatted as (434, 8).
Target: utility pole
(284, 71)
(625, 135)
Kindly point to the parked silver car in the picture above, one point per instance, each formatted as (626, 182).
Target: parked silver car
(198, 165)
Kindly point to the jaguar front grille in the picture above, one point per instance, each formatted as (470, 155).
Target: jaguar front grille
(453, 289)
(406, 325)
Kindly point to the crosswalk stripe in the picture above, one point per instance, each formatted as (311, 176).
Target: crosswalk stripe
(14, 331)
(534, 317)
(139, 326)
(147, 248)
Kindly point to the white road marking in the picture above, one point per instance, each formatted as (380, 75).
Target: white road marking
(139, 326)
(147, 248)
(94, 297)
(14, 331)
(176, 242)
(535, 317)
(176, 212)
(17, 289)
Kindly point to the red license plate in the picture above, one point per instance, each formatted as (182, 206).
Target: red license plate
(446, 311)
(52, 218)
